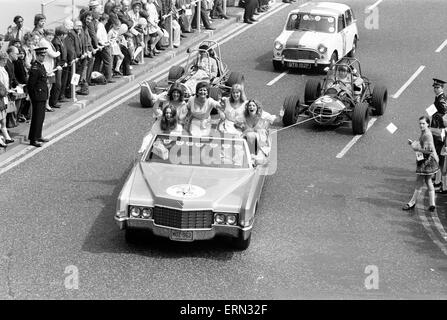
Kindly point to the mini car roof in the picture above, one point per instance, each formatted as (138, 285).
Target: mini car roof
(331, 8)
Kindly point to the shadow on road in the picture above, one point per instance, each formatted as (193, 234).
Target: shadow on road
(105, 236)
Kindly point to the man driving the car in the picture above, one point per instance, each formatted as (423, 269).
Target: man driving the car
(345, 77)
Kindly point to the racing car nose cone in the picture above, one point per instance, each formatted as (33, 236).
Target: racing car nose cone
(329, 104)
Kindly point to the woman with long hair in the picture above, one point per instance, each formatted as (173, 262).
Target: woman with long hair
(426, 164)
(234, 107)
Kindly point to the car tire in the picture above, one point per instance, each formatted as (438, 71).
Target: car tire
(277, 65)
(175, 72)
(235, 77)
(216, 94)
(146, 100)
(334, 59)
(351, 54)
(360, 118)
(379, 100)
(291, 110)
(312, 91)
(241, 243)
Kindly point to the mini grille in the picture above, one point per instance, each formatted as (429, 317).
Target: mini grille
(295, 54)
(183, 219)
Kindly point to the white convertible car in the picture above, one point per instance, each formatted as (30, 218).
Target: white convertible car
(316, 34)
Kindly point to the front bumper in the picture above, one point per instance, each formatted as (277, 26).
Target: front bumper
(198, 234)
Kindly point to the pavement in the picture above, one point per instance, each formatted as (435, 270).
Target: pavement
(83, 103)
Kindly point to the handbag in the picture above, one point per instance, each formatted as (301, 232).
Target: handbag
(11, 107)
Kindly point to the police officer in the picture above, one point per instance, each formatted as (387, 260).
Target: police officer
(38, 93)
(438, 126)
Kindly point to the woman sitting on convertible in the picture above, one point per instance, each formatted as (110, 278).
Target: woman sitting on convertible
(166, 124)
(234, 107)
(255, 124)
(174, 98)
(198, 119)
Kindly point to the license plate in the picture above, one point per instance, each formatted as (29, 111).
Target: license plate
(179, 235)
(299, 65)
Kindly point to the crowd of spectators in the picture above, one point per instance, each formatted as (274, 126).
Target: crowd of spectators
(103, 42)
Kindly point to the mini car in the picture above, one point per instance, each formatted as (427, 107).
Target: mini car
(335, 101)
(188, 188)
(184, 75)
(316, 34)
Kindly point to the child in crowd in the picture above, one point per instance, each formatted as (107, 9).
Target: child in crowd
(115, 38)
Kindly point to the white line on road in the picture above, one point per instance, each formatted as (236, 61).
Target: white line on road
(277, 78)
(371, 7)
(354, 140)
(409, 81)
(441, 46)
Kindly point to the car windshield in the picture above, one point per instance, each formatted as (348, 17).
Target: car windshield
(311, 22)
(213, 152)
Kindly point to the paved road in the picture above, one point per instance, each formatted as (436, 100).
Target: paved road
(322, 220)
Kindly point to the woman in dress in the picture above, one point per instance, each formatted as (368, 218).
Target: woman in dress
(167, 124)
(199, 110)
(255, 127)
(4, 79)
(175, 98)
(234, 107)
(426, 164)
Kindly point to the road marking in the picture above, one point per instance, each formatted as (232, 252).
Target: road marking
(277, 78)
(441, 46)
(354, 140)
(409, 81)
(371, 7)
(431, 234)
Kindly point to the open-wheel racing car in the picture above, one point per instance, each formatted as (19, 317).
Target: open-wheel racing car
(192, 72)
(189, 188)
(345, 95)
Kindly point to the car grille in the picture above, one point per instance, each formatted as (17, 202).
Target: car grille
(322, 111)
(183, 219)
(295, 54)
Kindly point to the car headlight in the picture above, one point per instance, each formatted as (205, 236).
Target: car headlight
(231, 219)
(278, 45)
(322, 48)
(146, 213)
(134, 212)
(219, 218)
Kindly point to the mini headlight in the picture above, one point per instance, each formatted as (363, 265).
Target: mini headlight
(135, 212)
(278, 45)
(219, 218)
(322, 48)
(231, 219)
(146, 213)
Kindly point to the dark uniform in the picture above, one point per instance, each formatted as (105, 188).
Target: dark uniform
(38, 93)
(437, 121)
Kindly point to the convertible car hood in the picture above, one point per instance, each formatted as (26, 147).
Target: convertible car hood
(304, 39)
(187, 187)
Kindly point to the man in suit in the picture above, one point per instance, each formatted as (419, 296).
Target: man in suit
(38, 93)
(16, 32)
(74, 51)
(61, 60)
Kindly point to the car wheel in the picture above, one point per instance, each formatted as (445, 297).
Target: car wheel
(235, 77)
(146, 100)
(360, 118)
(352, 53)
(291, 110)
(379, 100)
(241, 243)
(216, 94)
(277, 65)
(175, 72)
(334, 59)
(312, 91)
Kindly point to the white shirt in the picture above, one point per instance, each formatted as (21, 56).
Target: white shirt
(101, 34)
